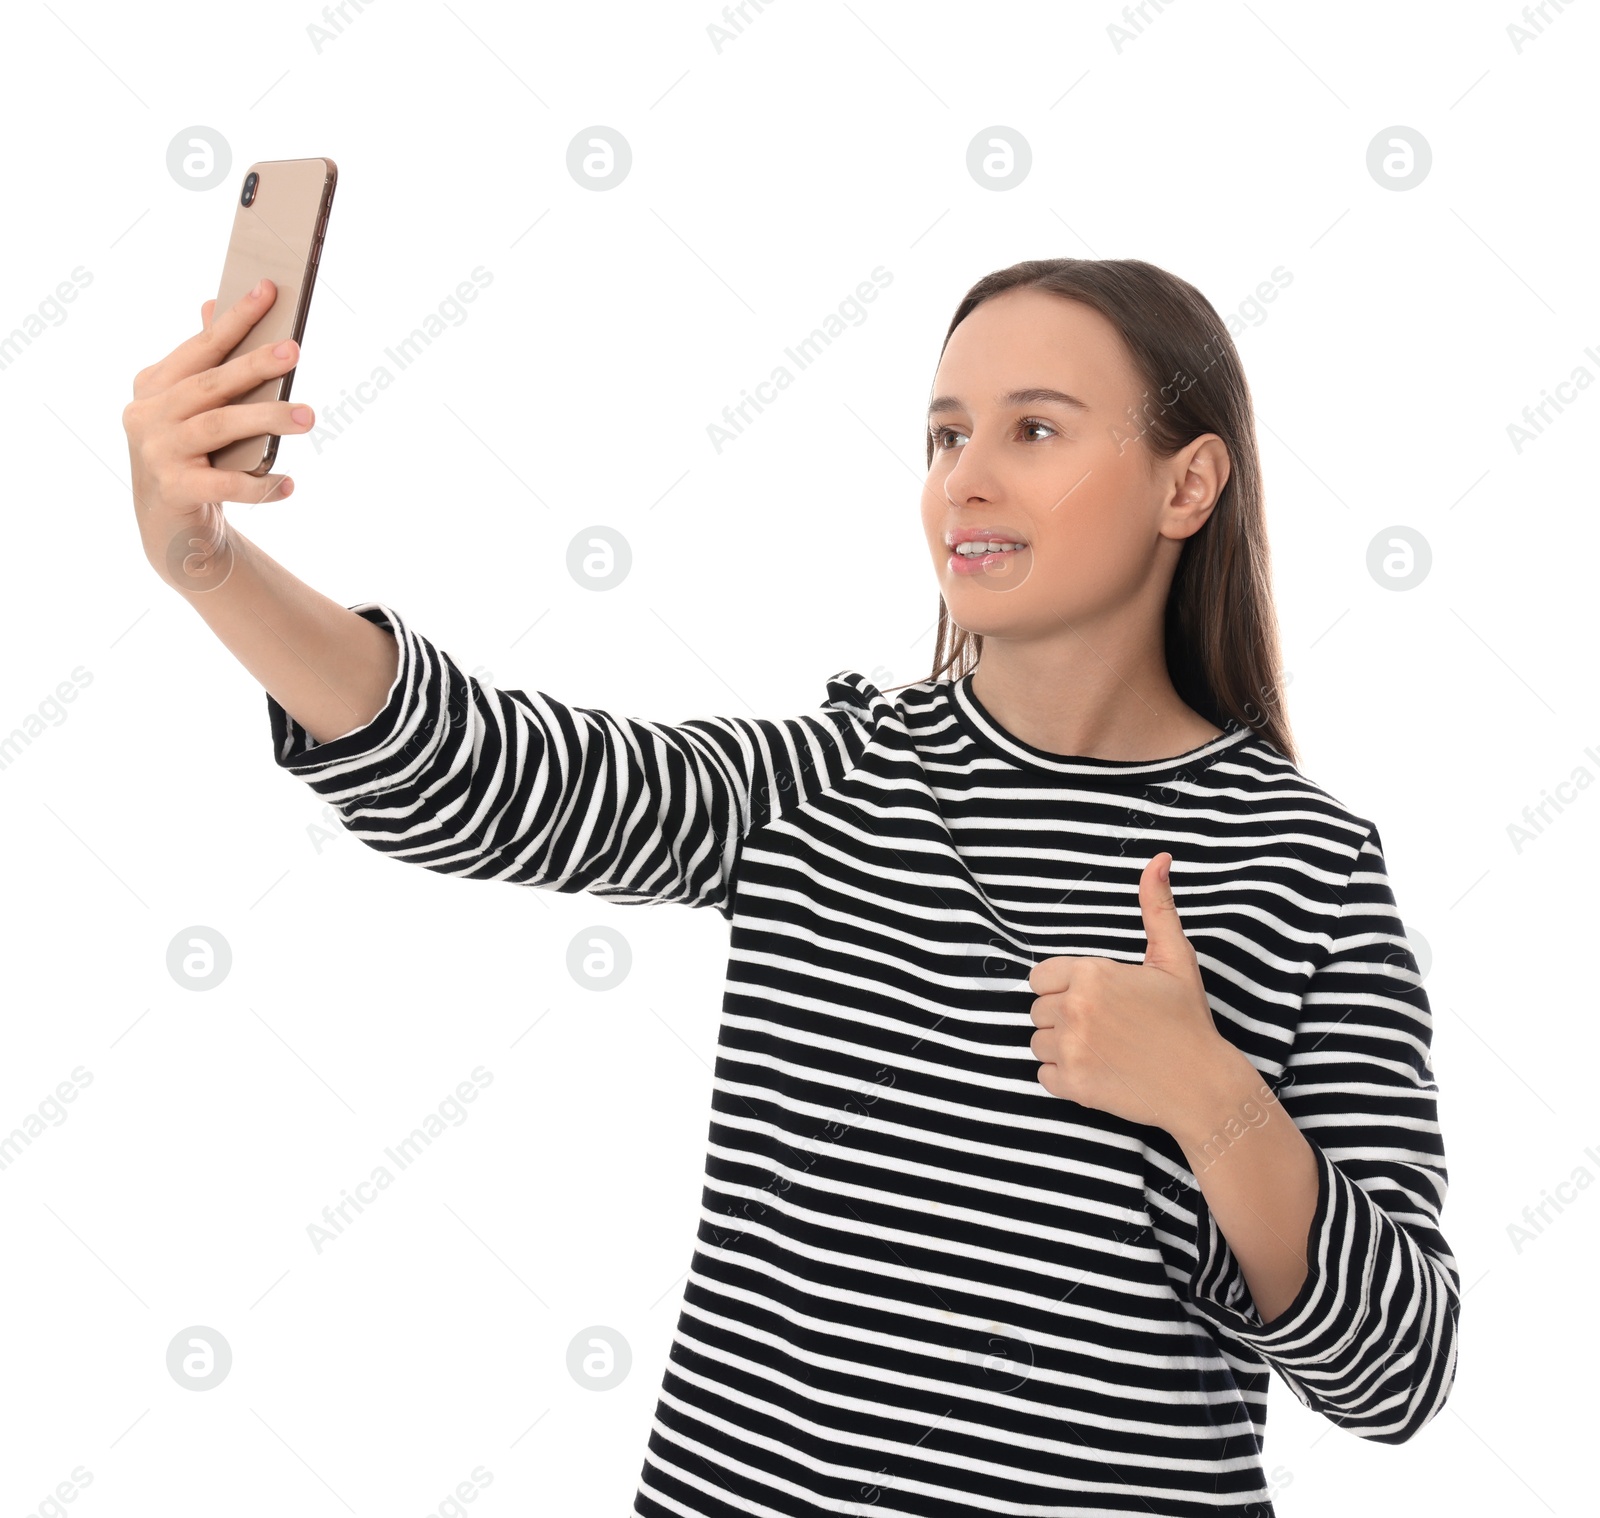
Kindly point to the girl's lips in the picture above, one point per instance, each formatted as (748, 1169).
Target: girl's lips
(988, 533)
(978, 563)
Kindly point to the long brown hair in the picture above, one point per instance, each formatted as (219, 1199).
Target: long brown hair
(1221, 628)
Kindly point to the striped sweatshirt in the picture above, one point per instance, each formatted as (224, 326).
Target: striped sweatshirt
(921, 1284)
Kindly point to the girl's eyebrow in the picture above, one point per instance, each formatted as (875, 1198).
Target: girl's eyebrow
(1014, 398)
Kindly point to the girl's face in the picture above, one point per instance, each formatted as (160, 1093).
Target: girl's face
(1067, 474)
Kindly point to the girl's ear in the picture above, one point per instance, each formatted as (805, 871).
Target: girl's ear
(1202, 468)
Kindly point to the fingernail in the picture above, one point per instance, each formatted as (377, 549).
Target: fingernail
(260, 285)
(284, 349)
(301, 414)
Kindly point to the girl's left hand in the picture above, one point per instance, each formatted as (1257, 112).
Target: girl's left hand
(1138, 1041)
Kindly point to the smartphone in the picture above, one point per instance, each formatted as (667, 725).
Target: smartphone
(279, 222)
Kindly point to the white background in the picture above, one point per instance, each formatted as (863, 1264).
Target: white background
(769, 178)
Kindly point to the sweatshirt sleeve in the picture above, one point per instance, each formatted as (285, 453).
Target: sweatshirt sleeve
(1370, 1340)
(463, 778)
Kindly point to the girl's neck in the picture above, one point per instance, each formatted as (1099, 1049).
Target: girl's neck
(1134, 717)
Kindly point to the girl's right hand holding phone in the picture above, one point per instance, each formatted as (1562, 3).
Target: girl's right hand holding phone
(178, 417)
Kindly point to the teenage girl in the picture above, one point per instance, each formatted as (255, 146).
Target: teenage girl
(1074, 1068)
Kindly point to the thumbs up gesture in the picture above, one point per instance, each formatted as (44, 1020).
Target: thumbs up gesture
(1138, 1041)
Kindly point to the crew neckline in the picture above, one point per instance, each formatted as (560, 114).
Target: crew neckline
(981, 723)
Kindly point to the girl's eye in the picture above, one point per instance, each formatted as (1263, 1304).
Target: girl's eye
(939, 433)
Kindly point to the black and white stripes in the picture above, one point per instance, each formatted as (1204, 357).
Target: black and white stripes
(922, 1285)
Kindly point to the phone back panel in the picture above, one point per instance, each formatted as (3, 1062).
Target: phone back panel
(279, 234)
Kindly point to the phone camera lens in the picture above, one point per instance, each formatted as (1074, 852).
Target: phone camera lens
(249, 189)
